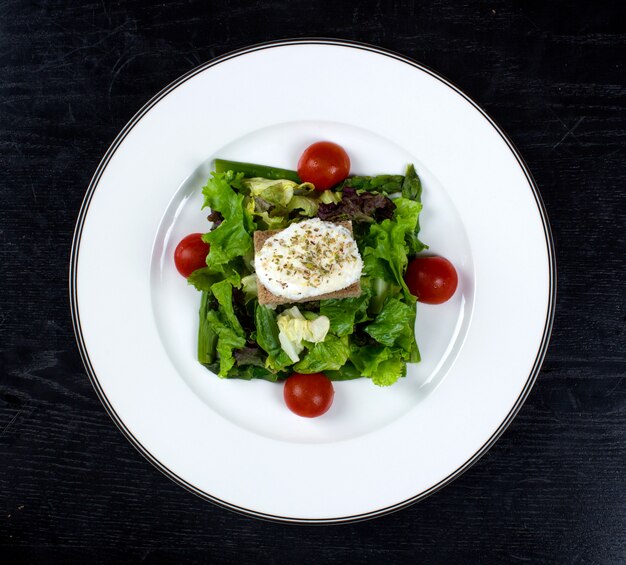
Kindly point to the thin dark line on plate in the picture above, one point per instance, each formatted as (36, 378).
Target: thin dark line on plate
(74, 284)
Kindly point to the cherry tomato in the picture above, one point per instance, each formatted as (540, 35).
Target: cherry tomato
(432, 279)
(325, 164)
(190, 254)
(308, 395)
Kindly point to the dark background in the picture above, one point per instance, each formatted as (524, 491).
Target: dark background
(72, 489)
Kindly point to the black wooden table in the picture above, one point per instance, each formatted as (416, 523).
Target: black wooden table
(72, 489)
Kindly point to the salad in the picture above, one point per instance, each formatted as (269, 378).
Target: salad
(311, 276)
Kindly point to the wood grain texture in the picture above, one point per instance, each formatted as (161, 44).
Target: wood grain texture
(72, 489)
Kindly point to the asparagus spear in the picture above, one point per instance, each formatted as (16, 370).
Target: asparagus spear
(207, 338)
(251, 170)
(411, 185)
(379, 183)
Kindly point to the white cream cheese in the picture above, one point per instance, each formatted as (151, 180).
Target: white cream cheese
(308, 259)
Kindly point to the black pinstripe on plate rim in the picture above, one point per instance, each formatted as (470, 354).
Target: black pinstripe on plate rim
(85, 354)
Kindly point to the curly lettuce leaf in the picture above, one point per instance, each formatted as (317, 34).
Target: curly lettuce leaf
(224, 322)
(406, 215)
(219, 193)
(387, 371)
(392, 322)
(232, 238)
(344, 313)
(227, 341)
(249, 372)
(223, 292)
(330, 354)
(276, 203)
(385, 254)
(278, 192)
(204, 278)
(395, 326)
(383, 365)
(411, 193)
(250, 288)
(304, 205)
(347, 373)
(267, 215)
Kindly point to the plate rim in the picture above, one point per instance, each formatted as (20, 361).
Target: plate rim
(75, 314)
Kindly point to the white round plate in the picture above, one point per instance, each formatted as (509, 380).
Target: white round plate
(234, 442)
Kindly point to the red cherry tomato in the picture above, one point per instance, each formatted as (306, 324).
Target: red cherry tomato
(325, 164)
(308, 395)
(432, 279)
(190, 254)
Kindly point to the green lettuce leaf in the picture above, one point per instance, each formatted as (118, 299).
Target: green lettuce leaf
(273, 201)
(305, 205)
(406, 215)
(223, 292)
(227, 341)
(224, 322)
(249, 372)
(392, 322)
(219, 194)
(412, 192)
(344, 313)
(383, 365)
(330, 354)
(385, 254)
(381, 290)
(249, 287)
(268, 216)
(395, 326)
(205, 278)
(387, 371)
(389, 244)
(232, 238)
(347, 373)
(276, 203)
(267, 338)
(278, 192)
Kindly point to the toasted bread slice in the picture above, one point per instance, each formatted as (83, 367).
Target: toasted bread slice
(267, 297)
